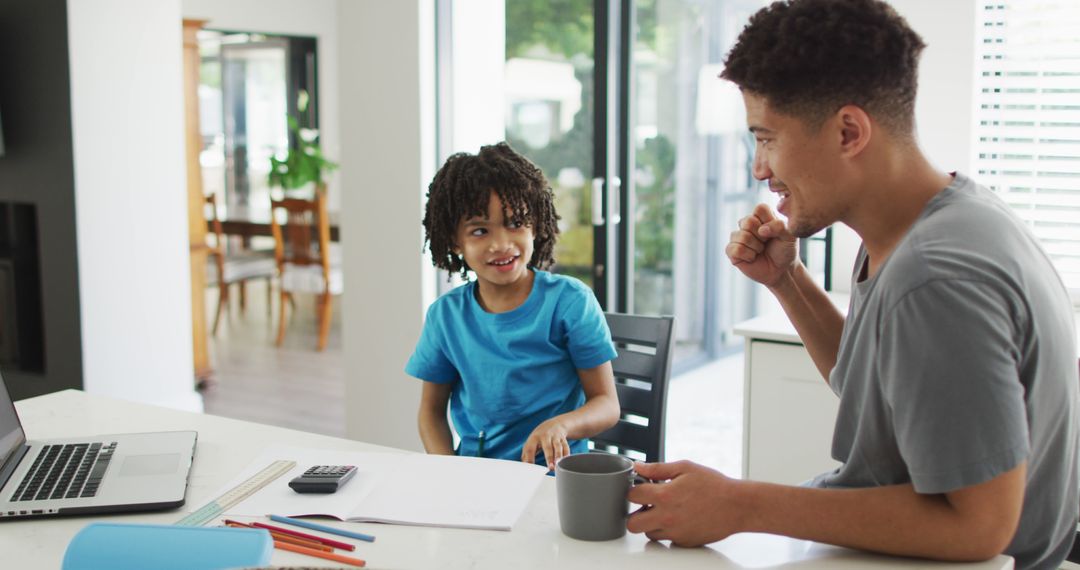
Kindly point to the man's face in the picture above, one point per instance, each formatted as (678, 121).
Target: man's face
(799, 165)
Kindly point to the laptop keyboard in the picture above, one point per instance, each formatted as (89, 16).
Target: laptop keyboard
(70, 471)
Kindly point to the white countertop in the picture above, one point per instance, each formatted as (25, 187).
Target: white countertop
(777, 327)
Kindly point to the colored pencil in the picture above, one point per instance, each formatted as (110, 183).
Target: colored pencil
(301, 542)
(285, 538)
(318, 554)
(326, 541)
(322, 527)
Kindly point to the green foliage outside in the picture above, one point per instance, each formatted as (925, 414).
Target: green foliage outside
(564, 30)
(574, 149)
(564, 27)
(654, 228)
(210, 74)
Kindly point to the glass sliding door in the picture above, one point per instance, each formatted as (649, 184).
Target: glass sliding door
(549, 104)
(524, 71)
(620, 104)
(255, 117)
(690, 176)
(249, 86)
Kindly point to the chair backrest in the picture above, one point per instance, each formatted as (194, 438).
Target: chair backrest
(218, 249)
(215, 222)
(642, 371)
(304, 219)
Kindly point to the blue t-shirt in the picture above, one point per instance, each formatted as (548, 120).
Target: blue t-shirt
(512, 371)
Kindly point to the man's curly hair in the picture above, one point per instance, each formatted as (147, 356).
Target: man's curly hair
(809, 58)
(462, 189)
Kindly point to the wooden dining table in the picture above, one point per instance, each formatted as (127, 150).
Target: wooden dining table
(247, 222)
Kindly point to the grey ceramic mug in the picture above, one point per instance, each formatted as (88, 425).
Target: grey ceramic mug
(591, 489)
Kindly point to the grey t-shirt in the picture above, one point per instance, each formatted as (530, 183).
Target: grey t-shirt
(957, 363)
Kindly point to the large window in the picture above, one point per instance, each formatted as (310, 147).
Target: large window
(691, 181)
(1028, 119)
(620, 104)
(522, 71)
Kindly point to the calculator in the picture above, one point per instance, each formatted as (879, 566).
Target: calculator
(323, 478)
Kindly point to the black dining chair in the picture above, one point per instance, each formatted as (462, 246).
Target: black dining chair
(642, 372)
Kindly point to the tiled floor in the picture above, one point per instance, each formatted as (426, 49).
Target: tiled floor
(294, 386)
(705, 411)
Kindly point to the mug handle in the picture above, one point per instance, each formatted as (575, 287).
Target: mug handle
(636, 480)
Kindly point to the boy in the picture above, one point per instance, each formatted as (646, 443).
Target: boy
(521, 356)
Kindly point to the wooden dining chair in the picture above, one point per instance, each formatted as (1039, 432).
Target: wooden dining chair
(228, 266)
(305, 265)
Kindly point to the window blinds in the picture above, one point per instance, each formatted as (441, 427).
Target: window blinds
(1027, 120)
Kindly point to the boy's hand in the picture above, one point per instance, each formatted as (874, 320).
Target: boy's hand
(550, 437)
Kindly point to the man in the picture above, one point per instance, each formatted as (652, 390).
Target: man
(955, 367)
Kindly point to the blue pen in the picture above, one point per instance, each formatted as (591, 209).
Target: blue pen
(324, 528)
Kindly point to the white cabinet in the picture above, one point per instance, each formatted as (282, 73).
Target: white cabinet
(788, 409)
(788, 416)
(789, 412)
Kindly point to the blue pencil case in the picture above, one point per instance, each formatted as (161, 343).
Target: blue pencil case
(163, 547)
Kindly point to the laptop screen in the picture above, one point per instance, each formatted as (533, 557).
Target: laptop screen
(11, 432)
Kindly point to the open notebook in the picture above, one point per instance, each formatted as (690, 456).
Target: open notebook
(399, 488)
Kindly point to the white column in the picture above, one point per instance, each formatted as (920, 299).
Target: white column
(387, 159)
(131, 200)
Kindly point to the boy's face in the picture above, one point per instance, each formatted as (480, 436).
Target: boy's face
(496, 249)
(799, 164)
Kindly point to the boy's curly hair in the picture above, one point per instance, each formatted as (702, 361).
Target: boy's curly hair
(462, 189)
(809, 58)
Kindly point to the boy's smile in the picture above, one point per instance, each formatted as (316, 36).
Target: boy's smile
(497, 249)
(504, 265)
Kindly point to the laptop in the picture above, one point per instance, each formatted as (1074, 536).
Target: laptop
(89, 475)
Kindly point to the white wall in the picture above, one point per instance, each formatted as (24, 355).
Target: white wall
(127, 67)
(943, 109)
(131, 200)
(317, 18)
(387, 68)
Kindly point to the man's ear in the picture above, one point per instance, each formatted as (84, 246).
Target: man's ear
(855, 129)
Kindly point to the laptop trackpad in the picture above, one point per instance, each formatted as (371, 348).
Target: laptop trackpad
(159, 464)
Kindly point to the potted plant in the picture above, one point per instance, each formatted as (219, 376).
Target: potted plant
(305, 163)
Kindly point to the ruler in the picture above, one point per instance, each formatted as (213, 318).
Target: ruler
(215, 508)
